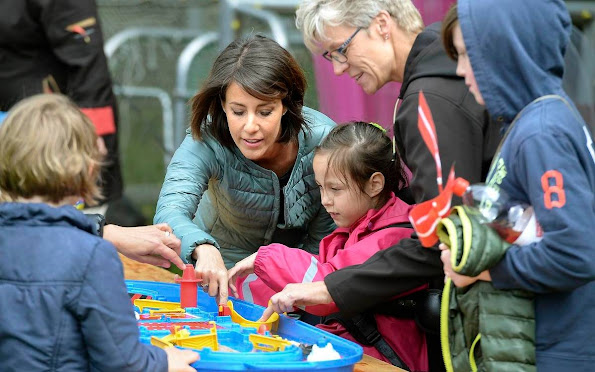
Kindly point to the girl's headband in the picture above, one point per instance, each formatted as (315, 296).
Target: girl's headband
(378, 126)
(384, 131)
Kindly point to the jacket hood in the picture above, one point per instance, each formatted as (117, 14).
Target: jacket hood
(512, 62)
(393, 211)
(427, 58)
(33, 214)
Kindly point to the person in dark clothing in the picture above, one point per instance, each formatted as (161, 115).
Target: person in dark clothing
(57, 47)
(466, 138)
(376, 42)
(51, 46)
(546, 160)
(76, 315)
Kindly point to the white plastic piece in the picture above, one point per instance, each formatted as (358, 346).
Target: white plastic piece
(320, 354)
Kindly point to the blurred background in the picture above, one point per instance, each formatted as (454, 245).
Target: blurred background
(160, 52)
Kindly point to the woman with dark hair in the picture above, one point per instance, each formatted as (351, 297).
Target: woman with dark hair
(243, 178)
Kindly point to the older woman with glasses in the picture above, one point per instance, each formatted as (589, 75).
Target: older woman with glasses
(378, 41)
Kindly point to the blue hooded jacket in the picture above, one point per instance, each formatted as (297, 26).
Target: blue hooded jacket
(63, 302)
(547, 160)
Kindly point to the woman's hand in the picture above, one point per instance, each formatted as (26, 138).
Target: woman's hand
(457, 279)
(297, 294)
(155, 244)
(210, 267)
(241, 269)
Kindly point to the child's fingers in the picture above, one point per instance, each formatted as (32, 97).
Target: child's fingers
(179, 360)
(234, 290)
(443, 247)
(190, 356)
(232, 274)
(446, 265)
(445, 257)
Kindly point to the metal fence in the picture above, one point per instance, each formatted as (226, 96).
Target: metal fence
(159, 53)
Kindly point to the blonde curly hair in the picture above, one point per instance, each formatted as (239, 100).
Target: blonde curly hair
(48, 149)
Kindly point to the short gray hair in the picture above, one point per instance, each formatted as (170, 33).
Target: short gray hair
(313, 16)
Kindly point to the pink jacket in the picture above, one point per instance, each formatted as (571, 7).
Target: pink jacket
(277, 265)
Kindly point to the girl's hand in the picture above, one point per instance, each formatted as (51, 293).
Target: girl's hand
(297, 294)
(210, 267)
(457, 279)
(241, 269)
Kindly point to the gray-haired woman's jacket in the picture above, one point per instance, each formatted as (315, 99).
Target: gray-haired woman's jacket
(239, 202)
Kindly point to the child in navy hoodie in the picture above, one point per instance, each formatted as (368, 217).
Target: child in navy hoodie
(64, 303)
(511, 54)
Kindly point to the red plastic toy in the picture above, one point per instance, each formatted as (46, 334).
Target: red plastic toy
(224, 310)
(425, 216)
(188, 287)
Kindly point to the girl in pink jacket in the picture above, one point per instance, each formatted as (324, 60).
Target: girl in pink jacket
(357, 174)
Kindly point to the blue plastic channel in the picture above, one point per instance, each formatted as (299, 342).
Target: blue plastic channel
(289, 360)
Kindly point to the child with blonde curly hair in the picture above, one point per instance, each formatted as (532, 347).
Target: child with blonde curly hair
(64, 305)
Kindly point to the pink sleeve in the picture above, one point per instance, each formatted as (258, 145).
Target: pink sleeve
(278, 265)
(252, 289)
(359, 252)
(275, 266)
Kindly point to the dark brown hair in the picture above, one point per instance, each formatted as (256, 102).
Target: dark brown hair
(357, 150)
(264, 70)
(451, 20)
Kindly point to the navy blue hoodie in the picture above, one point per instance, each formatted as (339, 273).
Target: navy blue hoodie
(516, 50)
(63, 302)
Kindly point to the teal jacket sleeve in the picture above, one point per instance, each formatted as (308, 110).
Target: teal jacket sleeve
(322, 224)
(186, 180)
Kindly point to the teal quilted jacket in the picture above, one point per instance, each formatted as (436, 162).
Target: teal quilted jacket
(215, 195)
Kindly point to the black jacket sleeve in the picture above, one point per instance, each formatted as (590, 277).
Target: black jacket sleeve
(465, 139)
(77, 66)
(88, 80)
(392, 271)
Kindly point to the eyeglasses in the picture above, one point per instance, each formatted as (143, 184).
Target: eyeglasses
(339, 53)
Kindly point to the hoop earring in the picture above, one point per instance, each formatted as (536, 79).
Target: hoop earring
(385, 36)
